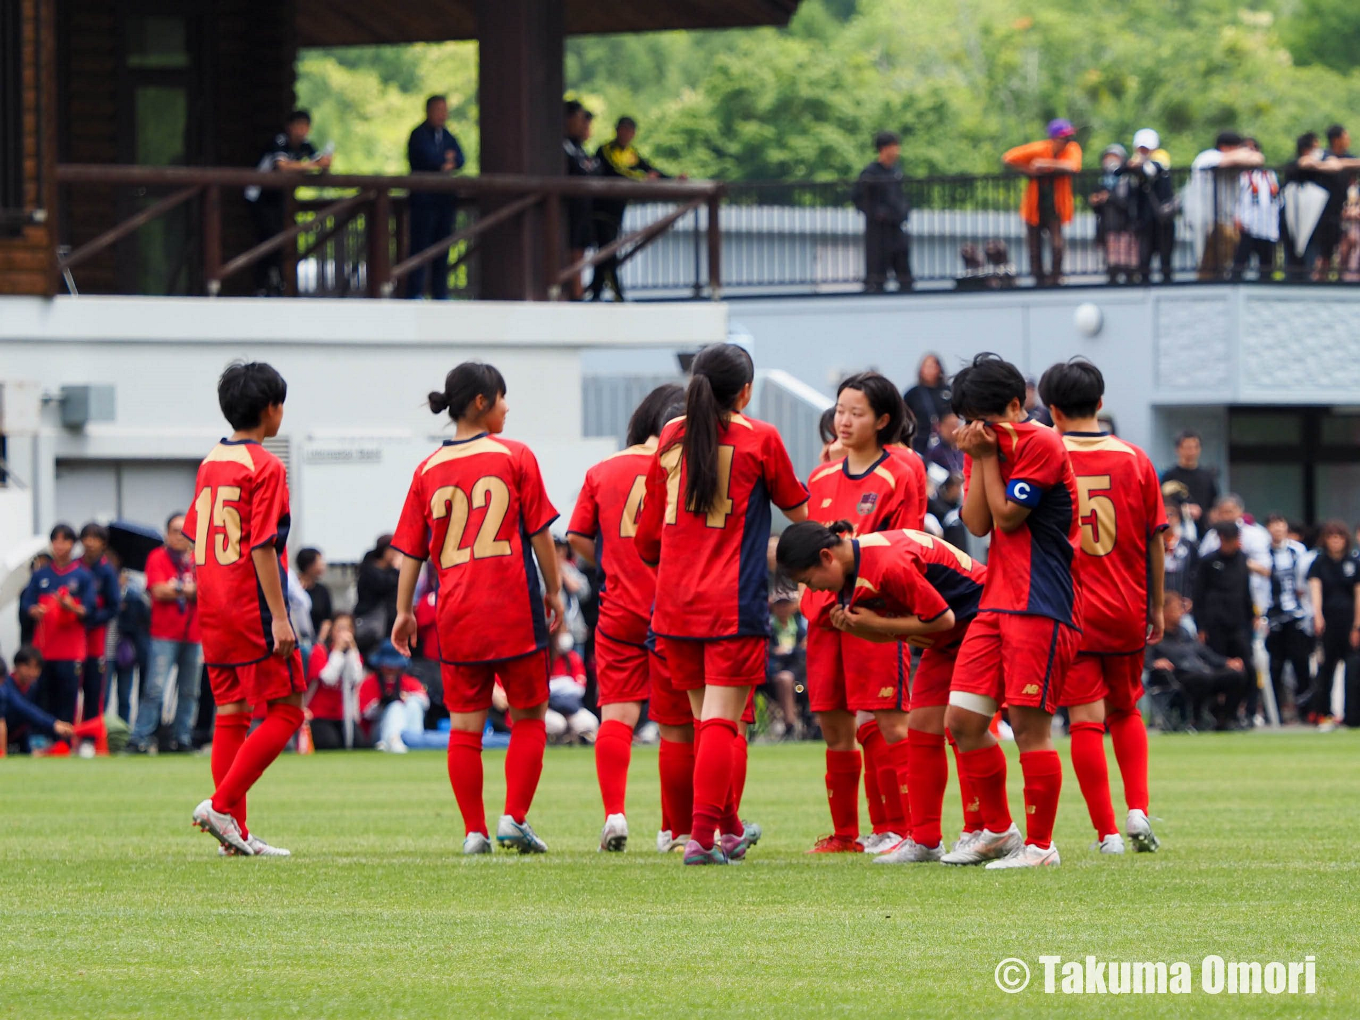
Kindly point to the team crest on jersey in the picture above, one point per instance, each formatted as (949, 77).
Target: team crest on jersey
(867, 502)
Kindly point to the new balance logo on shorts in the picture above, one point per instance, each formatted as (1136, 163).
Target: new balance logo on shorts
(1031, 689)
(885, 692)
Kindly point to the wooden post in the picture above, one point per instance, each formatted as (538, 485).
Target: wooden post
(714, 247)
(212, 239)
(379, 244)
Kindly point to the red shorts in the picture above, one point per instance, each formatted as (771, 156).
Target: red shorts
(468, 687)
(1116, 678)
(849, 674)
(258, 683)
(1015, 659)
(724, 662)
(935, 670)
(671, 707)
(622, 671)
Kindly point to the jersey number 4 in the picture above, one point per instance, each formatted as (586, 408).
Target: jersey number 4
(722, 501)
(1095, 512)
(452, 502)
(216, 512)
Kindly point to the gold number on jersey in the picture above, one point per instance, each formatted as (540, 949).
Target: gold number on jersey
(722, 500)
(452, 502)
(670, 460)
(930, 542)
(632, 507)
(1096, 515)
(210, 512)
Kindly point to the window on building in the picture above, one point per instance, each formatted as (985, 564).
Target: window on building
(1302, 462)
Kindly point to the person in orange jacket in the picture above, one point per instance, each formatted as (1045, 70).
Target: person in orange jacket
(1047, 204)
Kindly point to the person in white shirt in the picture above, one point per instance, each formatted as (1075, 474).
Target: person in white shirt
(1290, 638)
(1212, 198)
(1256, 544)
(1256, 218)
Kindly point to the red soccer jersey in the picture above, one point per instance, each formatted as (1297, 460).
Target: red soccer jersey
(917, 467)
(607, 512)
(1030, 570)
(174, 620)
(1120, 511)
(712, 574)
(473, 506)
(241, 504)
(326, 702)
(912, 573)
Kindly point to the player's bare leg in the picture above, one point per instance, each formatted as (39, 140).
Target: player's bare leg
(675, 761)
(969, 718)
(843, 763)
(1093, 773)
(926, 775)
(613, 751)
(523, 767)
(1033, 728)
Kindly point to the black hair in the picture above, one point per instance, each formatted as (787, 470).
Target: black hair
(1185, 434)
(305, 559)
(883, 399)
(463, 385)
(62, 530)
(718, 376)
(826, 425)
(1334, 132)
(885, 138)
(1228, 140)
(1306, 143)
(246, 390)
(986, 385)
(801, 544)
(1227, 530)
(908, 432)
(27, 655)
(571, 106)
(438, 97)
(658, 407)
(297, 115)
(624, 122)
(96, 531)
(1274, 516)
(1074, 387)
(171, 519)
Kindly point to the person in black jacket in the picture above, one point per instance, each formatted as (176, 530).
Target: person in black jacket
(617, 158)
(432, 149)
(290, 149)
(1202, 674)
(928, 401)
(1224, 612)
(880, 196)
(580, 209)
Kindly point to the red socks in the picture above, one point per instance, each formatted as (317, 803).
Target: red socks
(885, 803)
(972, 813)
(1129, 736)
(739, 768)
(1043, 783)
(928, 774)
(712, 777)
(985, 768)
(523, 765)
(842, 791)
(257, 753)
(675, 761)
(613, 750)
(1093, 774)
(465, 776)
(229, 733)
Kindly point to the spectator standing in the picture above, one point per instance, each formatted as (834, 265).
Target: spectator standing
(432, 149)
(1348, 254)
(174, 642)
(1215, 195)
(60, 597)
(300, 613)
(1255, 541)
(311, 568)
(1224, 612)
(879, 194)
(94, 540)
(1204, 675)
(289, 150)
(1304, 195)
(20, 716)
(619, 159)
(1257, 219)
(928, 401)
(1289, 639)
(1047, 203)
(335, 672)
(375, 606)
(1182, 557)
(133, 649)
(944, 452)
(1117, 202)
(579, 163)
(1157, 237)
(1201, 484)
(1334, 584)
(28, 625)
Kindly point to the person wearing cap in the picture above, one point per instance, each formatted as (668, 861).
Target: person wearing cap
(391, 701)
(1047, 203)
(1117, 202)
(878, 193)
(580, 163)
(1214, 193)
(1151, 166)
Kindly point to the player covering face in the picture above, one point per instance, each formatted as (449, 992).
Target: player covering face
(477, 506)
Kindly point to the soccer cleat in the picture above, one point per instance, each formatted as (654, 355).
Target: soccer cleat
(988, 846)
(394, 746)
(222, 827)
(665, 842)
(965, 840)
(614, 835)
(519, 836)
(735, 847)
(753, 832)
(1111, 844)
(877, 842)
(476, 843)
(911, 852)
(890, 841)
(834, 844)
(1028, 856)
(695, 854)
(259, 848)
(1140, 834)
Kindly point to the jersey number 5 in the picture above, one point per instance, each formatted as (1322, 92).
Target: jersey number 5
(1096, 515)
(722, 501)
(452, 502)
(215, 512)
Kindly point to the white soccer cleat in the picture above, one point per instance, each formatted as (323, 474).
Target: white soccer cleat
(614, 835)
(476, 843)
(394, 746)
(910, 852)
(1140, 833)
(1028, 856)
(222, 827)
(1111, 844)
(966, 839)
(877, 842)
(988, 846)
(665, 842)
(519, 836)
(258, 847)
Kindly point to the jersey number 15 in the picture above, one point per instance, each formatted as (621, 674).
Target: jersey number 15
(217, 512)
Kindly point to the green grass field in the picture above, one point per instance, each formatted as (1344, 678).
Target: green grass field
(111, 905)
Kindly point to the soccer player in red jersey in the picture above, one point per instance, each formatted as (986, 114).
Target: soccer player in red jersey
(874, 491)
(706, 525)
(239, 524)
(1022, 491)
(1119, 501)
(601, 532)
(477, 506)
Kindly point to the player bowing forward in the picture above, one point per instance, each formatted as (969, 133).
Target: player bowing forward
(706, 526)
(601, 531)
(477, 506)
(239, 524)
(1022, 492)
(1119, 501)
(891, 587)
(873, 490)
